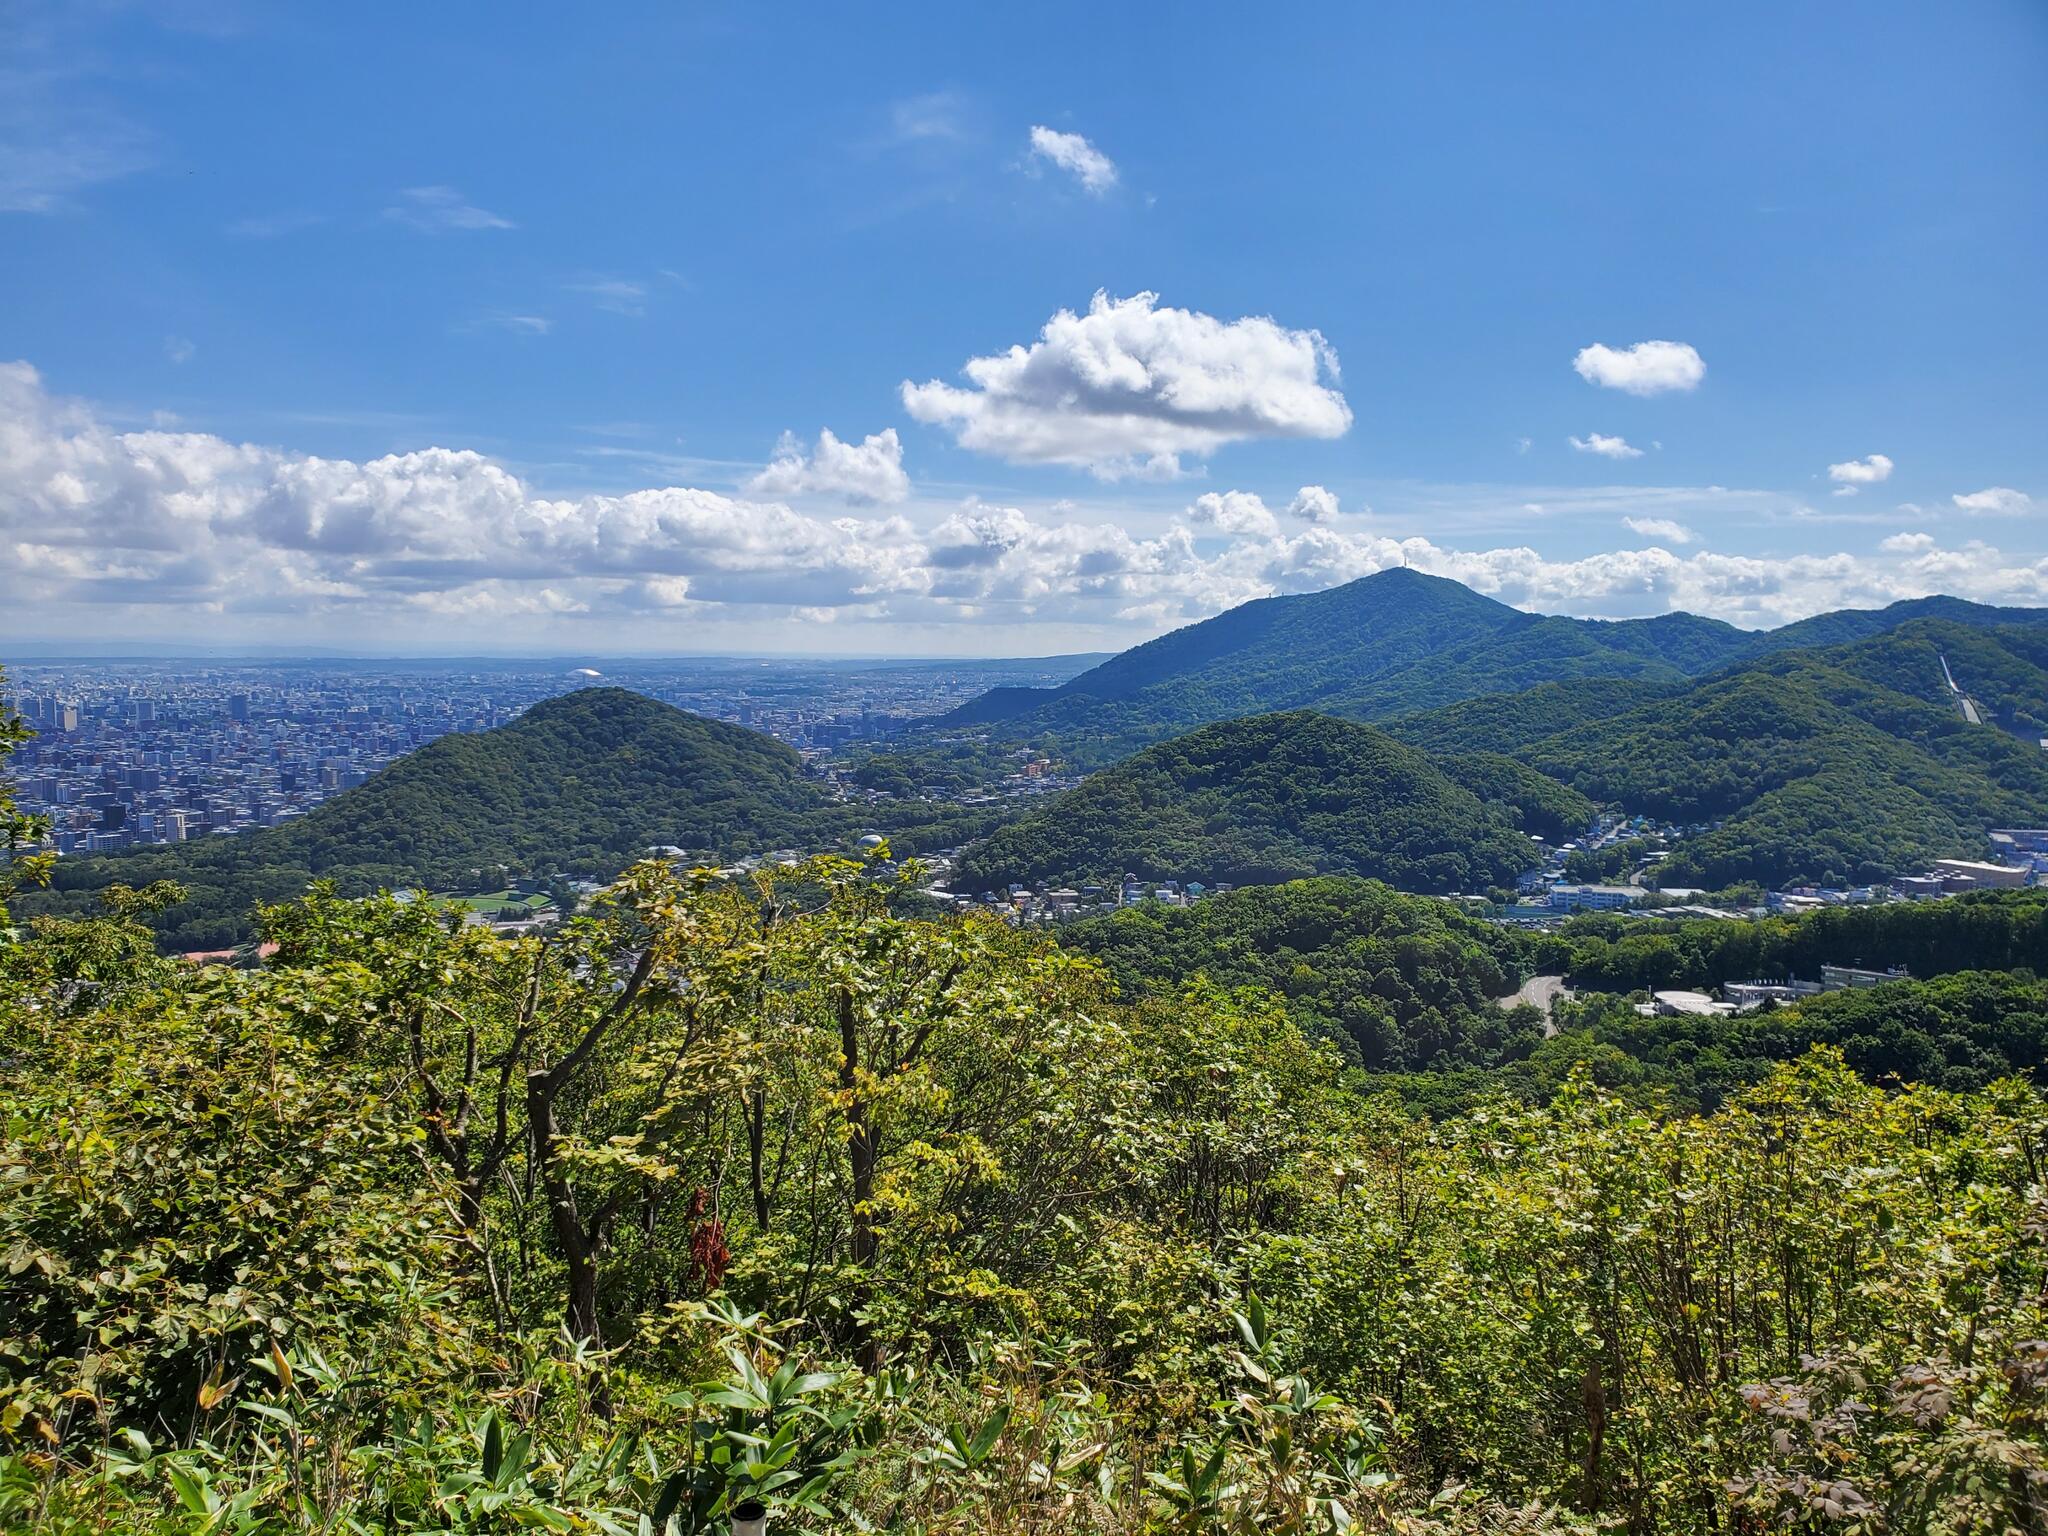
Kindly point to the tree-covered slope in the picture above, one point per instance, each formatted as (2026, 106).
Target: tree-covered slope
(1960, 1032)
(413, 1228)
(1379, 620)
(1839, 765)
(600, 772)
(1402, 982)
(1847, 625)
(1811, 776)
(581, 783)
(1509, 722)
(1268, 798)
(1536, 802)
(1804, 785)
(1530, 655)
(1976, 931)
(1278, 652)
(2001, 669)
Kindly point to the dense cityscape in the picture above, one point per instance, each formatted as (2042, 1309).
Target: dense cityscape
(131, 754)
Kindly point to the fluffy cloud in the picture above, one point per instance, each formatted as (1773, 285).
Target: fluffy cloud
(865, 473)
(1077, 157)
(1233, 512)
(89, 514)
(1127, 388)
(1313, 504)
(1867, 471)
(1606, 447)
(1659, 528)
(1647, 368)
(110, 528)
(1995, 501)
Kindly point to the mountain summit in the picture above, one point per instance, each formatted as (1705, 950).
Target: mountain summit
(1390, 643)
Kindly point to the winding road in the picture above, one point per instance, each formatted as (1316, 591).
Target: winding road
(1538, 992)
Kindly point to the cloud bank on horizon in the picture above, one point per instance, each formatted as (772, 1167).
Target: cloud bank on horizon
(97, 520)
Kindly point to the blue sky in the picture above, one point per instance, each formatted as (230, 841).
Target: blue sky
(433, 326)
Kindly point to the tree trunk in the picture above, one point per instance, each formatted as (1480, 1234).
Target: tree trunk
(757, 1146)
(860, 1155)
(1595, 1396)
(579, 1249)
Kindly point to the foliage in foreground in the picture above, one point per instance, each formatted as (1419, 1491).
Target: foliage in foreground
(766, 1190)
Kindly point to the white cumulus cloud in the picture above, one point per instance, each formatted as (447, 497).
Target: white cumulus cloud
(1647, 368)
(1995, 501)
(1077, 157)
(865, 472)
(1606, 447)
(1313, 504)
(1233, 512)
(1866, 471)
(1129, 387)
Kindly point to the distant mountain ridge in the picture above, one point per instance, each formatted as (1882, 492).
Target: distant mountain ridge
(1391, 643)
(1837, 765)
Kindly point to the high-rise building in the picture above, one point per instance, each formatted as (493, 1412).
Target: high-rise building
(238, 706)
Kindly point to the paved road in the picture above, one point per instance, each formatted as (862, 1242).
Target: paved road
(1539, 992)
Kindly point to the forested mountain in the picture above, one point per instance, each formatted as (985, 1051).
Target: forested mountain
(1510, 722)
(1274, 653)
(1813, 776)
(1844, 626)
(1538, 804)
(578, 785)
(2002, 669)
(1271, 797)
(1839, 765)
(1407, 986)
(581, 784)
(1403, 983)
(1395, 642)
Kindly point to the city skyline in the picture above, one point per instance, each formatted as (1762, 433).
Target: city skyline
(964, 340)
